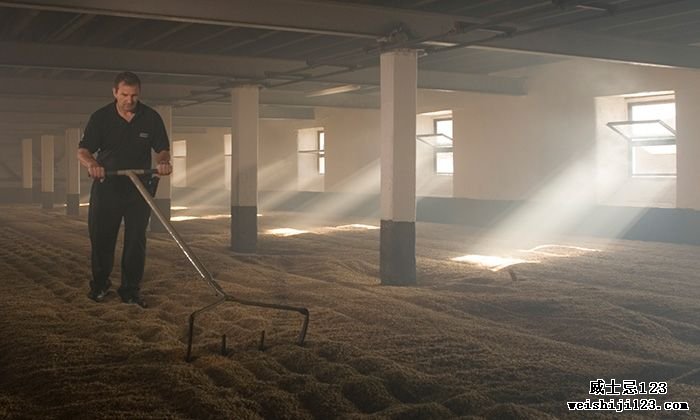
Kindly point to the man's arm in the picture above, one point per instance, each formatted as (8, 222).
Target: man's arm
(163, 163)
(88, 160)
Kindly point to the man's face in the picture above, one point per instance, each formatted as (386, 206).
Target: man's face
(127, 97)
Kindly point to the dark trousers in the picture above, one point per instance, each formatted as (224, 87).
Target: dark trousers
(110, 202)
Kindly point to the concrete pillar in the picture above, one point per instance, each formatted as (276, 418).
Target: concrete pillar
(397, 261)
(47, 169)
(72, 172)
(27, 171)
(164, 193)
(244, 168)
(687, 146)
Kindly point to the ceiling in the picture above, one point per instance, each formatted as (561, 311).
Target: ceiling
(57, 58)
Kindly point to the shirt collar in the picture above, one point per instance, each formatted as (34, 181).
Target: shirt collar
(137, 111)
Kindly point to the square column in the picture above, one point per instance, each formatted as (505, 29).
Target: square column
(163, 196)
(27, 171)
(244, 168)
(397, 260)
(72, 172)
(47, 169)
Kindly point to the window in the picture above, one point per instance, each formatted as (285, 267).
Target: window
(443, 163)
(654, 145)
(321, 152)
(443, 146)
(441, 142)
(311, 158)
(651, 133)
(227, 161)
(179, 163)
(306, 145)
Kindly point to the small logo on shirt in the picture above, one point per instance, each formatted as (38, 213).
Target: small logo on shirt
(143, 135)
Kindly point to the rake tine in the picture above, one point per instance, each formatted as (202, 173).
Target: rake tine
(188, 356)
(304, 327)
(203, 272)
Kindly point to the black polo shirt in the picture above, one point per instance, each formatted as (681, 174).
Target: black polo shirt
(121, 144)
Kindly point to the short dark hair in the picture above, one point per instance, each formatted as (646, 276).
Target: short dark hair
(129, 79)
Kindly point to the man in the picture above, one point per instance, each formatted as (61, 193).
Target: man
(121, 135)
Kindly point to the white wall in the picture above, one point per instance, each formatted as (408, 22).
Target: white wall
(352, 149)
(505, 147)
(510, 148)
(352, 154)
(277, 154)
(549, 144)
(179, 160)
(514, 147)
(688, 143)
(205, 158)
(604, 79)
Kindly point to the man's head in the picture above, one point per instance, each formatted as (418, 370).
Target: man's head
(126, 90)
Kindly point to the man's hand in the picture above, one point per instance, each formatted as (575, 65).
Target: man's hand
(96, 171)
(164, 168)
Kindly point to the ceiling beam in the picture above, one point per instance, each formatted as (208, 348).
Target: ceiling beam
(156, 93)
(21, 23)
(361, 20)
(220, 32)
(70, 27)
(579, 44)
(439, 80)
(641, 16)
(320, 17)
(24, 130)
(284, 45)
(243, 42)
(52, 118)
(24, 54)
(87, 105)
(163, 35)
(50, 104)
(216, 114)
(223, 111)
(18, 54)
(344, 100)
(210, 116)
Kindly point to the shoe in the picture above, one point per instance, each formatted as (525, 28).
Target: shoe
(98, 295)
(135, 300)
